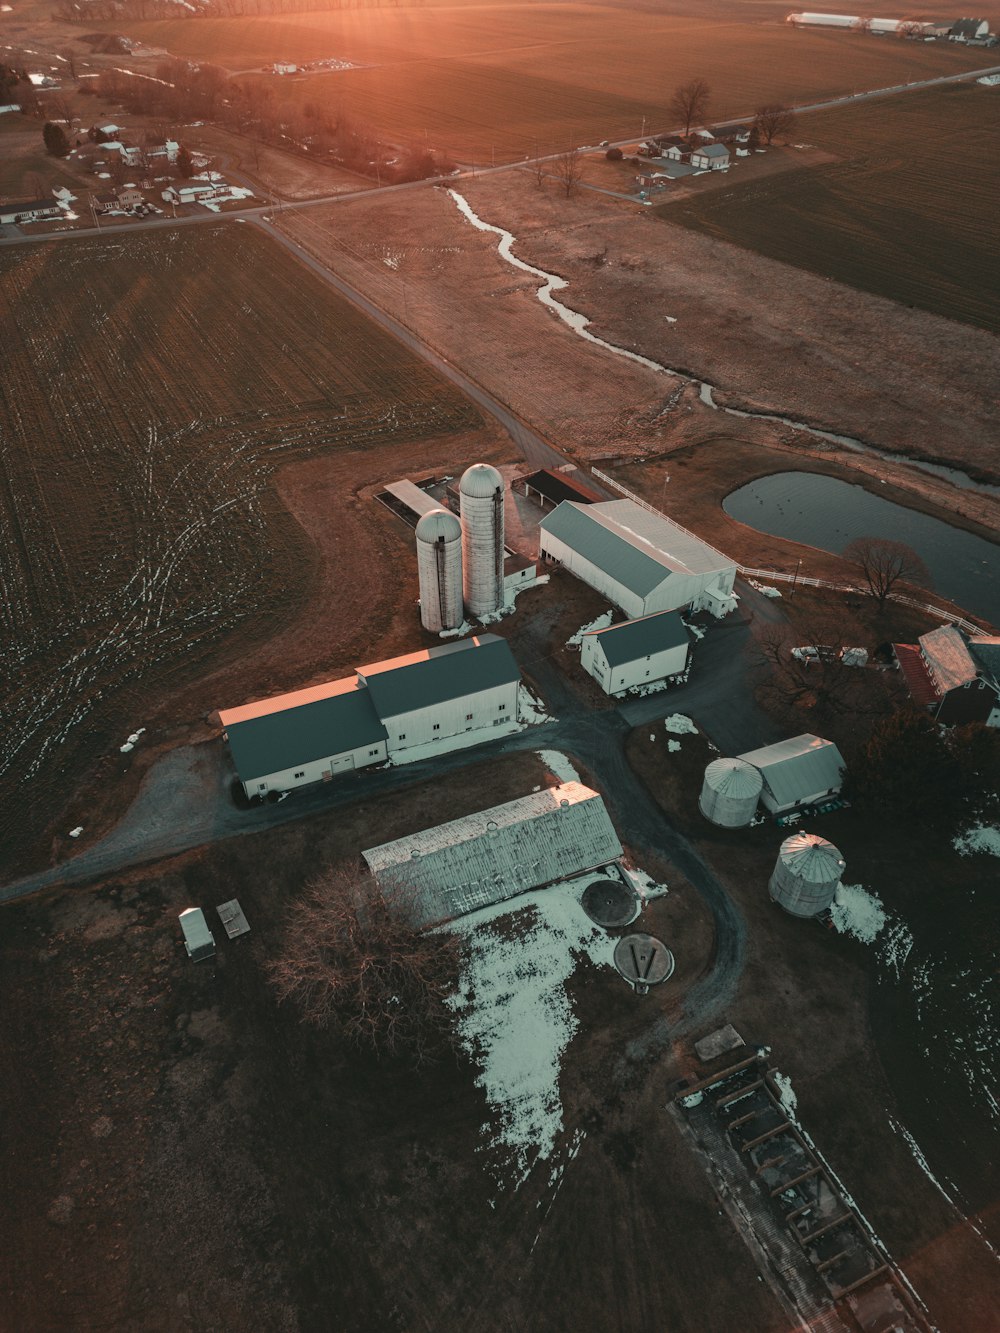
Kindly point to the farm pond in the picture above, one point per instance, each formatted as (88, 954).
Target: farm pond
(821, 511)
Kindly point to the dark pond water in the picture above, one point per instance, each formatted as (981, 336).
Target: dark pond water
(822, 511)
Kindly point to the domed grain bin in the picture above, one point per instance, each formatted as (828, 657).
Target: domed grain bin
(439, 567)
(730, 792)
(806, 875)
(481, 503)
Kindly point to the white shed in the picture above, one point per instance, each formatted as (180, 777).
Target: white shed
(713, 157)
(500, 852)
(639, 559)
(799, 771)
(198, 938)
(639, 652)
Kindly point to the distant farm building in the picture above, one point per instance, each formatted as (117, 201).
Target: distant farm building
(503, 851)
(408, 500)
(804, 770)
(550, 488)
(956, 679)
(713, 157)
(34, 210)
(640, 560)
(732, 133)
(639, 652)
(969, 30)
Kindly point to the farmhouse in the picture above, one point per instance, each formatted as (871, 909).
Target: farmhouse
(503, 851)
(34, 210)
(713, 157)
(639, 652)
(800, 771)
(638, 558)
(955, 679)
(732, 133)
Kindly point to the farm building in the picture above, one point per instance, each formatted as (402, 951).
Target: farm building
(409, 500)
(35, 210)
(639, 652)
(969, 30)
(550, 488)
(732, 133)
(639, 559)
(800, 771)
(491, 856)
(713, 157)
(444, 691)
(954, 678)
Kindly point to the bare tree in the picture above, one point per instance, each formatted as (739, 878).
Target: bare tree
(773, 119)
(355, 960)
(910, 28)
(823, 685)
(690, 103)
(568, 169)
(538, 167)
(884, 563)
(862, 25)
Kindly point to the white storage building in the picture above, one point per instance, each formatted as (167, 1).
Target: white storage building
(800, 771)
(640, 560)
(638, 652)
(498, 853)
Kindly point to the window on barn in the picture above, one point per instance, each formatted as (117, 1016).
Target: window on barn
(373, 753)
(301, 775)
(468, 717)
(437, 726)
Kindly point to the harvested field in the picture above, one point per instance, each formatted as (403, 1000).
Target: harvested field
(151, 389)
(520, 80)
(902, 215)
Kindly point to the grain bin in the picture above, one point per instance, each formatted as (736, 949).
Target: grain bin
(439, 568)
(730, 793)
(806, 875)
(481, 503)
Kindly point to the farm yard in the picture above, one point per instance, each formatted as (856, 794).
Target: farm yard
(150, 390)
(909, 212)
(506, 81)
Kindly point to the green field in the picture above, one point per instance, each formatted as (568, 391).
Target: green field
(909, 212)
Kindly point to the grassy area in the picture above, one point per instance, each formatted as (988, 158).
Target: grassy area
(907, 213)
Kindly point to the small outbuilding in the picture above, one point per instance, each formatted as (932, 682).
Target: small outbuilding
(640, 652)
(802, 770)
(198, 938)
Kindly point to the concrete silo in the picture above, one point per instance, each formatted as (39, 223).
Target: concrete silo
(439, 567)
(481, 503)
(806, 875)
(730, 792)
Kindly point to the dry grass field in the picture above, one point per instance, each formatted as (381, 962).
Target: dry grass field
(151, 387)
(514, 80)
(909, 212)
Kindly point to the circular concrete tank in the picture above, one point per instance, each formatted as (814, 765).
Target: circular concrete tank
(806, 875)
(439, 569)
(480, 495)
(609, 902)
(730, 792)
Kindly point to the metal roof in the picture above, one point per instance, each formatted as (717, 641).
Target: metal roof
(986, 651)
(434, 675)
(411, 495)
(558, 486)
(946, 654)
(486, 857)
(712, 150)
(914, 671)
(637, 547)
(301, 728)
(797, 768)
(639, 638)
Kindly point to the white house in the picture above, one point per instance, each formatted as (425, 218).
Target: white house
(713, 157)
(34, 211)
(639, 559)
(508, 849)
(446, 691)
(800, 771)
(639, 652)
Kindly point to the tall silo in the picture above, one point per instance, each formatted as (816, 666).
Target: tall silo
(481, 504)
(730, 792)
(439, 567)
(806, 875)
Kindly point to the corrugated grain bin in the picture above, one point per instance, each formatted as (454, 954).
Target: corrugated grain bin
(198, 939)
(481, 503)
(806, 875)
(439, 568)
(730, 793)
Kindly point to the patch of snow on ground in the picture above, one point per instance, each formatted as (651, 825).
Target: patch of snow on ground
(679, 725)
(696, 630)
(464, 628)
(602, 622)
(559, 765)
(857, 912)
(979, 838)
(673, 746)
(530, 710)
(786, 1093)
(75, 832)
(645, 886)
(515, 1018)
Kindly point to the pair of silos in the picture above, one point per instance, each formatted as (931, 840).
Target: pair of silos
(460, 561)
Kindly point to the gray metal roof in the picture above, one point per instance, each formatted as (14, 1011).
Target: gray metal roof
(292, 734)
(434, 675)
(986, 651)
(713, 150)
(640, 638)
(947, 654)
(795, 769)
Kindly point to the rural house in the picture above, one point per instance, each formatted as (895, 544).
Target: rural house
(800, 771)
(732, 133)
(639, 559)
(956, 679)
(713, 157)
(34, 210)
(639, 652)
(130, 196)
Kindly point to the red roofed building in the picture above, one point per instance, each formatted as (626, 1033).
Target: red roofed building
(945, 675)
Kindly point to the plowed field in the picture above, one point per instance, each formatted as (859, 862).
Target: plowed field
(149, 388)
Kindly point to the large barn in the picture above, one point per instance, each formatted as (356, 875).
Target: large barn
(637, 558)
(500, 852)
(636, 653)
(800, 771)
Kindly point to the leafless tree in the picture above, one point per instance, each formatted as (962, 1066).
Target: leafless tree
(538, 167)
(884, 563)
(773, 119)
(910, 28)
(825, 686)
(568, 169)
(60, 108)
(690, 103)
(862, 25)
(355, 960)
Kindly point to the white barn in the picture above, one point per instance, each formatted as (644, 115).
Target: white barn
(713, 157)
(640, 560)
(639, 652)
(500, 852)
(799, 771)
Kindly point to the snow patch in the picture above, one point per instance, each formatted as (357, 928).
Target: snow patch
(857, 912)
(786, 1094)
(979, 838)
(75, 832)
(601, 622)
(559, 765)
(679, 725)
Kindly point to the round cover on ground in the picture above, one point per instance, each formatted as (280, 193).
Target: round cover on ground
(609, 902)
(643, 960)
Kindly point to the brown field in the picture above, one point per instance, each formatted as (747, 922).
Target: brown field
(515, 81)
(153, 387)
(902, 214)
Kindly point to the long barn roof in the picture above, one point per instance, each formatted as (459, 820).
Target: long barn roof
(640, 638)
(435, 675)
